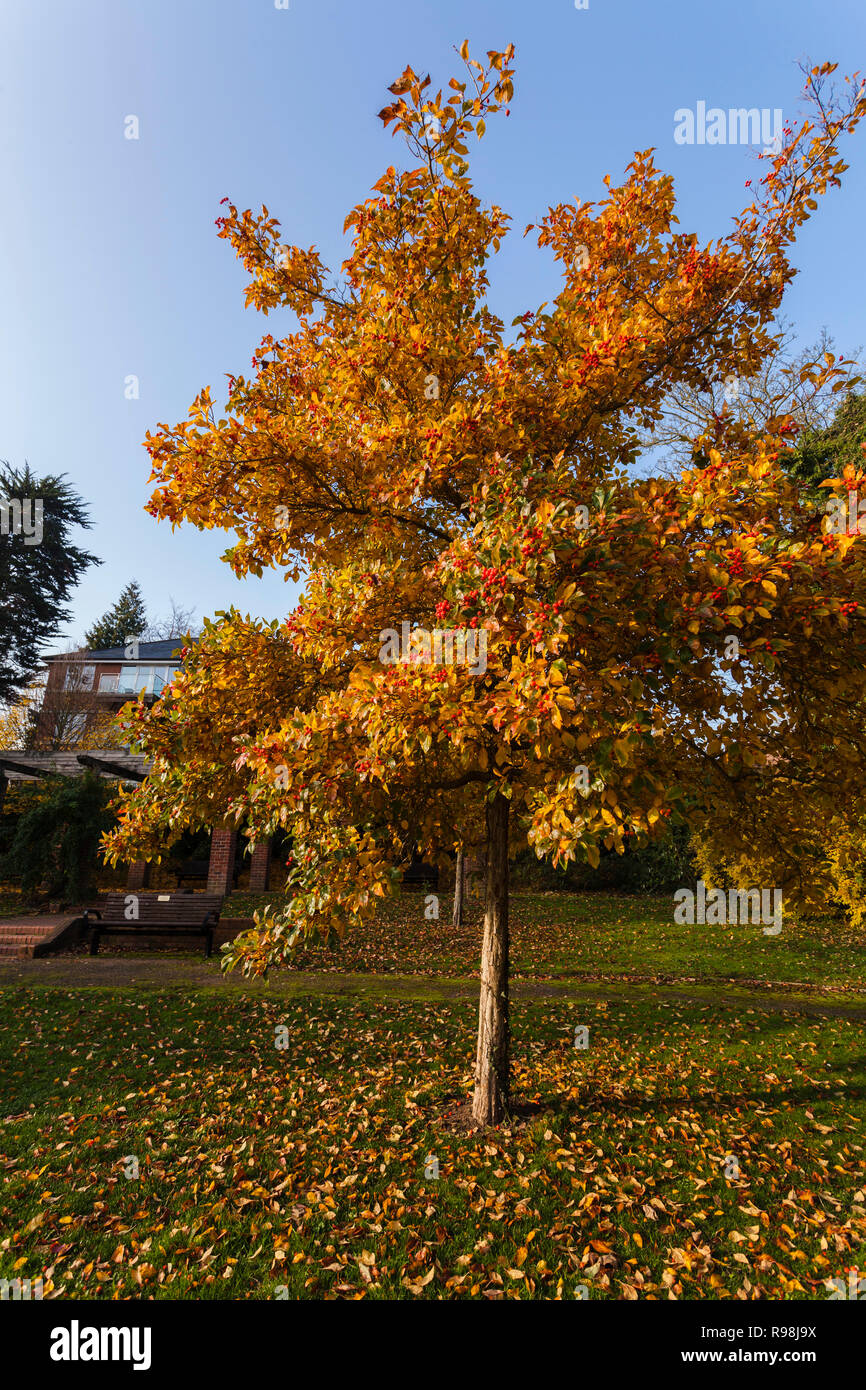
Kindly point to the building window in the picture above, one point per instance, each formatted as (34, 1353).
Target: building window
(69, 729)
(130, 679)
(150, 680)
(107, 685)
(79, 677)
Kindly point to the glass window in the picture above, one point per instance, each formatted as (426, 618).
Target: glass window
(107, 684)
(163, 677)
(150, 679)
(126, 680)
(79, 677)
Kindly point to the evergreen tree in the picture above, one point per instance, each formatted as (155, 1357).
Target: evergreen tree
(39, 568)
(126, 618)
(824, 453)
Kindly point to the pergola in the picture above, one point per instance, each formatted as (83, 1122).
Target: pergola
(120, 764)
(108, 762)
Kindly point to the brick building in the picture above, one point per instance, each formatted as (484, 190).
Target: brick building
(82, 688)
(81, 692)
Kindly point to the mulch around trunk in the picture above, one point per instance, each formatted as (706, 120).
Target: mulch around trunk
(458, 1118)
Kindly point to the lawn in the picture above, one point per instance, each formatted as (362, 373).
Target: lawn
(299, 1171)
(591, 936)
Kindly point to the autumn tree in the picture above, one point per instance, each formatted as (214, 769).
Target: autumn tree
(647, 644)
(803, 827)
(15, 717)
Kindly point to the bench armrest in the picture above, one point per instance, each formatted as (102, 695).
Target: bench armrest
(91, 912)
(213, 915)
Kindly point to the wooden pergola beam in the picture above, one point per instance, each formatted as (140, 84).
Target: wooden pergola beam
(24, 769)
(104, 765)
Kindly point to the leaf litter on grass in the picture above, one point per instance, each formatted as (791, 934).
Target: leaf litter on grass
(303, 1171)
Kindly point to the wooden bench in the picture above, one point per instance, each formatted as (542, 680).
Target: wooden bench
(158, 914)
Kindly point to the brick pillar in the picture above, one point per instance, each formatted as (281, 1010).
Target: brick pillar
(260, 867)
(138, 874)
(223, 847)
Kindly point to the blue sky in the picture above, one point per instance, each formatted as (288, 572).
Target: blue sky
(109, 260)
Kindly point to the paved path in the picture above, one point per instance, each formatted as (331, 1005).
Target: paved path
(118, 972)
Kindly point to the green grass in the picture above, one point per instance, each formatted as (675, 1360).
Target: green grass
(593, 936)
(300, 1172)
(303, 1169)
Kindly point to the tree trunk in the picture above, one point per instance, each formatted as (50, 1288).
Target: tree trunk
(490, 1101)
(459, 887)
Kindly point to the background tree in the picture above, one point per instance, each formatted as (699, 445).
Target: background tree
(421, 467)
(54, 846)
(124, 619)
(36, 580)
(823, 451)
(790, 382)
(61, 716)
(802, 828)
(178, 622)
(68, 714)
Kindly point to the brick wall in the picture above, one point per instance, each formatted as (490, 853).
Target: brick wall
(138, 875)
(223, 848)
(260, 867)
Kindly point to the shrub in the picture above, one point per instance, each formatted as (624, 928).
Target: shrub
(660, 866)
(55, 842)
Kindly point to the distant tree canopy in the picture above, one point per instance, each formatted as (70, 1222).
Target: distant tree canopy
(126, 618)
(178, 622)
(790, 382)
(824, 453)
(39, 568)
